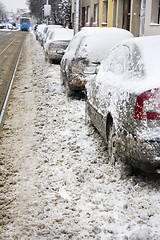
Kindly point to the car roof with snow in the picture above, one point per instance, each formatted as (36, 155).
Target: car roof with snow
(95, 42)
(61, 34)
(52, 26)
(41, 27)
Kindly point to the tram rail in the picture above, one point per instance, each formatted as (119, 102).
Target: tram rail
(9, 61)
(9, 90)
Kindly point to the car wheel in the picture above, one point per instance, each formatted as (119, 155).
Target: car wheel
(46, 57)
(69, 92)
(112, 144)
(88, 120)
(50, 60)
(87, 117)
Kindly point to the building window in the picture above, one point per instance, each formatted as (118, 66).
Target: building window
(155, 14)
(126, 15)
(95, 13)
(105, 11)
(88, 14)
(83, 16)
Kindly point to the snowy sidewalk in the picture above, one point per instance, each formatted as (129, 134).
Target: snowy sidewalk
(55, 179)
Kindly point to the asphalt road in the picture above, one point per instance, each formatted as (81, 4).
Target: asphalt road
(5, 35)
(10, 47)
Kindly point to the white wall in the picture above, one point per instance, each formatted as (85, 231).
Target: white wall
(150, 27)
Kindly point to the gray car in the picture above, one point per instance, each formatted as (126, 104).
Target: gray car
(46, 32)
(39, 32)
(85, 52)
(56, 44)
(123, 102)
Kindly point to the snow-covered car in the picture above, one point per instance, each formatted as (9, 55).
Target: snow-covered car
(56, 44)
(123, 102)
(46, 32)
(39, 31)
(85, 52)
(2, 26)
(11, 26)
(8, 26)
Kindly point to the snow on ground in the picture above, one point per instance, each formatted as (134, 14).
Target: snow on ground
(56, 181)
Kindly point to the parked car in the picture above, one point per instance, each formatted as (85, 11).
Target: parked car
(2, 26)
(85, 52)
(46, 32)
(56, 43)
(123, 102)
(12, 26)
(39, 30)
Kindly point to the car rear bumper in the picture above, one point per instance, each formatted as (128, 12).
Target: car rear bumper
(55, 55)
(75, 85)
(143, 153)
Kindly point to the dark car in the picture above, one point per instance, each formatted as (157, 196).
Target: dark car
(57, 43)
(85, 52)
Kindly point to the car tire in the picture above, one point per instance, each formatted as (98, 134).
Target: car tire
(50, 60)
(112, 144)
(46, 57)
(88, 120)
(87, 117)
(69, 92)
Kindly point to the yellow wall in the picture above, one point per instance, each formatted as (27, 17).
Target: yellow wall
(100, 13)
(110, 13)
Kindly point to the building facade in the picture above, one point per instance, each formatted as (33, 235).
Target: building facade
(140, 17)
(89, 13)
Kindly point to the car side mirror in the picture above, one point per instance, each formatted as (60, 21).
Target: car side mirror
(92, 68)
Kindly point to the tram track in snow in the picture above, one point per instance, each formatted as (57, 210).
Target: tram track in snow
(9, 90)
(9, 61)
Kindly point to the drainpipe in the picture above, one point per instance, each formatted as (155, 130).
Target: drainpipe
(76, 16)
(142, 17)
(47, 16)
(131, 15)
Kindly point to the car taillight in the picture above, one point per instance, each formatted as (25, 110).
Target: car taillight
(148, 105)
